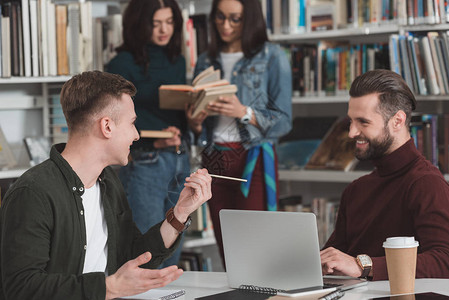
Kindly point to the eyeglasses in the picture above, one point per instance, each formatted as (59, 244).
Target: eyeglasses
(234, 20)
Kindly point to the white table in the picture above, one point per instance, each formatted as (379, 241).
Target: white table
(198, 284)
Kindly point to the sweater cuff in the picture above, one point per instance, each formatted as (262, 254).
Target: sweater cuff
(379, 268)
(157, 246)
(94, 285)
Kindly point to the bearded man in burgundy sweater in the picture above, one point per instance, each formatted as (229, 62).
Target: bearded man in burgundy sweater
(405, 195)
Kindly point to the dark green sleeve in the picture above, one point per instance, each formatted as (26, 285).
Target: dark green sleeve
(155, 244)
(26, 235)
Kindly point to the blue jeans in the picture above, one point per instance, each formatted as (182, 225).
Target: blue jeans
(153, 182)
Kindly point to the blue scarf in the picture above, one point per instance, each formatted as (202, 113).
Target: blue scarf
(269, 172)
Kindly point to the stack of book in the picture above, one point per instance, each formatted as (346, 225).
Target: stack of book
(422, 60)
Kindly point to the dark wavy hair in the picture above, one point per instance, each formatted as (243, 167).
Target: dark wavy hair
(254, 32)
(138, 29)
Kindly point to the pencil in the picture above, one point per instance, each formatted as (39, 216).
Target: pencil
(226, 177)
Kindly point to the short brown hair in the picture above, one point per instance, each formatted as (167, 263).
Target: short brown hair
(89, 93)
(394, 94)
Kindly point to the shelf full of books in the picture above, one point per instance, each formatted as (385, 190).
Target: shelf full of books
(360, 17)
(327, 69)
(41, 38)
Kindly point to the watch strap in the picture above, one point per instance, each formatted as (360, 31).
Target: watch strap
(171, 218)
(365, 272)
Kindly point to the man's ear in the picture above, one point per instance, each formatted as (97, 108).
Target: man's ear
(398, 120)
(106, 125)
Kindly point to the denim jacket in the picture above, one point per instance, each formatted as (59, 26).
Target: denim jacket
(264, 83)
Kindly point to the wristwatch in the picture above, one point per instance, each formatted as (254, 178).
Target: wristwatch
(365, 263)
(180, 227)
(248, 116)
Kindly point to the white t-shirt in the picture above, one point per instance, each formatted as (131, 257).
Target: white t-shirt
(226, 130)
(96, 231)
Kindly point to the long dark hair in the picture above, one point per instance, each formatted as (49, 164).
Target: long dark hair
(138, 29)
(254, 32)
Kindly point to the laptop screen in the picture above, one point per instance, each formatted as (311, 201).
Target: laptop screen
(271, 249)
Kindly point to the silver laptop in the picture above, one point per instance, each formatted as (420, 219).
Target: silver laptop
(273, 249)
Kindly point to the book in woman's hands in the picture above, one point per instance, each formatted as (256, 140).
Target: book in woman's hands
(206, 87)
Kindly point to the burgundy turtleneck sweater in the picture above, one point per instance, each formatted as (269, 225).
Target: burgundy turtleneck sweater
(405, 195)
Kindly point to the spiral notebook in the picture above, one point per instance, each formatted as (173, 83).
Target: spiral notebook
(277, 250)
(158, 294)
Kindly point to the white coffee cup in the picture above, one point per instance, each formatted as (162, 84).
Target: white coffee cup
(401, 255)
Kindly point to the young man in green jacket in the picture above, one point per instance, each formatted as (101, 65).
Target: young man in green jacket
(66, 227)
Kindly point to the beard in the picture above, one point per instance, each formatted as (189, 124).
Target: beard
(377, 147)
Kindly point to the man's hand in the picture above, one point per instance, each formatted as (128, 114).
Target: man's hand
(335, 262)
(197, 190)
(131, 280)
(195, 124)
(174, 141)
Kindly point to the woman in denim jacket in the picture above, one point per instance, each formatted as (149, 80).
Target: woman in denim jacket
(240, 139)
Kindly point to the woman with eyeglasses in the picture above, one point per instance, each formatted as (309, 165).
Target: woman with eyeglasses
(149, 57)
(240, 140)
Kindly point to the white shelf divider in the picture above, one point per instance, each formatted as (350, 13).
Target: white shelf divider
(354, 32)
(320, 175)
(324, 175)
(16, 80)
(193, 242)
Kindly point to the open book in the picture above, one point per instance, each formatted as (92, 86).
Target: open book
(206, 87)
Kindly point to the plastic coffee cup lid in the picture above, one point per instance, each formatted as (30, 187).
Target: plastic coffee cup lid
(401, 242)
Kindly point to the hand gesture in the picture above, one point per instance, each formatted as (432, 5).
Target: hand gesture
(335, 262)
(173, 141)
(197, 190)
(195, 124)
(131, 280)
(228, 106)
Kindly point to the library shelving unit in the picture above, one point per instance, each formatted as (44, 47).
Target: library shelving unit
(311, 183)
(24, 105)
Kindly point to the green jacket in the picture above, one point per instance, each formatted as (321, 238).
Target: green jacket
(43, 234)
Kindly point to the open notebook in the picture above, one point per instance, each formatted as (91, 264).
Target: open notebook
(277, 250)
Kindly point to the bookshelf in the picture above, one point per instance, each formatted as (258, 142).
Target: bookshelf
(316, 184)
(27, 88)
